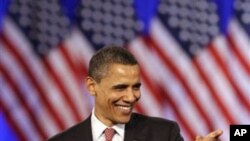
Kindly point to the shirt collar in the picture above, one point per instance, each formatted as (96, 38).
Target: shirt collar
(98, 127)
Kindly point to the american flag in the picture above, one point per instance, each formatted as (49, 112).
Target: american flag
(194, 57)
(42, 89)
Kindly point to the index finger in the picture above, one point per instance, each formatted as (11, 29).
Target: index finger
(215, 134)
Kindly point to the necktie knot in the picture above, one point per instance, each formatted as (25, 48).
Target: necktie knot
(109, 133)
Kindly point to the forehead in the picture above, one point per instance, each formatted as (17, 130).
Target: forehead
(122, 72)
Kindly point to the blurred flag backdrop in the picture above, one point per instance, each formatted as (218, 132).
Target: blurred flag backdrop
(194, 57)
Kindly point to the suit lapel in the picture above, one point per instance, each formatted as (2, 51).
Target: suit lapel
(84, 132)
(129, 132)
(135, 129)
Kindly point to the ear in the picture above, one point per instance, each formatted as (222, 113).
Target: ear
(91, 85)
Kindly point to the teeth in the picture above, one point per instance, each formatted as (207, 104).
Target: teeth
(124, 107)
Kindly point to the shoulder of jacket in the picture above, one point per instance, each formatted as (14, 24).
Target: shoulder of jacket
(151, 119)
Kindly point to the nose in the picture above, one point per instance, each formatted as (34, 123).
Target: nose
(132, 95)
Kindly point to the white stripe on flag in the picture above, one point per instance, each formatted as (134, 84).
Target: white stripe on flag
(148, 101)
(18, 113)
(162, 76)
(218, 81)
(66, 77)
(221, 46)
(241, 38)
(77, 59)
(78, 41)
(200, 89)
(52, 92)
(31, 94)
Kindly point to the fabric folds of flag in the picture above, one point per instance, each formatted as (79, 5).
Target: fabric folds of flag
(197, 64)
(194, 57)
(42, 91)
(191, 70)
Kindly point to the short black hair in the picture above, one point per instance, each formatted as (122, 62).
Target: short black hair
(107, 56)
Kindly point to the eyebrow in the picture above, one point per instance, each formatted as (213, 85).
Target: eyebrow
(120, 86)
(137, 84)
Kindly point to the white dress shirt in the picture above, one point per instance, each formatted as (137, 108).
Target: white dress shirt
(98, 129)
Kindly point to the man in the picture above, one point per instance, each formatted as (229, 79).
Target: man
(114, 80)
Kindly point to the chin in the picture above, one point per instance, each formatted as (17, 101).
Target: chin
(123, 119)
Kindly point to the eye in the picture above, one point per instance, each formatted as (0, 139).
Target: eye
(137, 86)
(120, 87)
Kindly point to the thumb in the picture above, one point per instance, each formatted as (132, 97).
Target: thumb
(198, 138)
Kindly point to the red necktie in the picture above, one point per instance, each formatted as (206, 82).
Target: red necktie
(109, 133)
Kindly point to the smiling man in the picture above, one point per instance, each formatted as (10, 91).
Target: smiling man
(116, 93)
(114, 81)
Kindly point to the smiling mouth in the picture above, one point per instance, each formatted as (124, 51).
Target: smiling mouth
(124, 109)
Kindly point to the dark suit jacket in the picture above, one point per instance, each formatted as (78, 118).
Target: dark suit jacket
(139, 128)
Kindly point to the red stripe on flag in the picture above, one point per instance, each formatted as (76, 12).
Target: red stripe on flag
(151, 43)
(155, 91)
(19, 95)
(179, 117)
(244, 63)
(79, 72)
(27, 70)
(138, 106)
(220, 104)
(149, 83)
(222, 65)
(73, 66)
(75, 72)
(13, 123)
(59, 83)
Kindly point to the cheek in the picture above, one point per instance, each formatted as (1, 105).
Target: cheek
(105, 98)
(101, 98)
(113, 97)
(138, 95)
